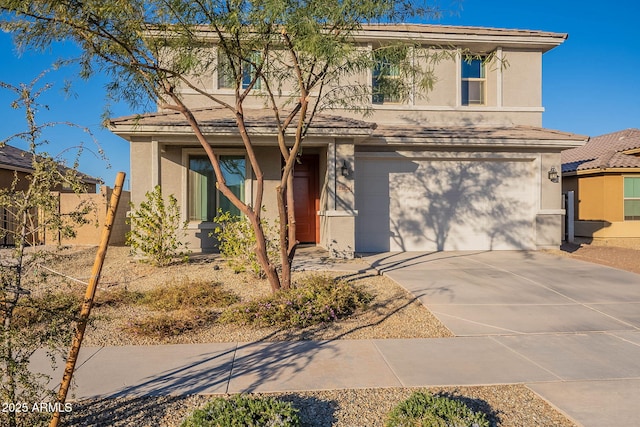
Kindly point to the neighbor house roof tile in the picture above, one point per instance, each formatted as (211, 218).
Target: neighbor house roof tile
(13, 158)
(604, 152)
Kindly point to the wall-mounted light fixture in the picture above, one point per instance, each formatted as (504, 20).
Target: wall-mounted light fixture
(553, 174)
(344, 169)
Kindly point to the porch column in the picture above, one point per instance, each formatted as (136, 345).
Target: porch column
(550, 213)
(155, 163)
(340, 214)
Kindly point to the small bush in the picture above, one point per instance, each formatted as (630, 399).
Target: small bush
(157, 230)
(237, 241)
(189, 294)
(244, 411)
(319, 299)
(424, 409)
(168, 325)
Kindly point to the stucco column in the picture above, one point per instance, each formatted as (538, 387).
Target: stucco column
(340, 215)
(550, 213)
(155, 163)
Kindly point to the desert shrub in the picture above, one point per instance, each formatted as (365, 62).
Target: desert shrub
(317, 299)
(244, 411)
(50, 310)
(117, 297)
(157, 230)
(166, 325)
(237, 241)
(188, 294)
(424, 409)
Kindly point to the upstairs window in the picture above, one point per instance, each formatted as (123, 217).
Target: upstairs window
(473, 82)
(225, 73)
(631, 198)
(204, 199)
(387, 85)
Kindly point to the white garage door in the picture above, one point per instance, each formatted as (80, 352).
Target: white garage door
(407, 204)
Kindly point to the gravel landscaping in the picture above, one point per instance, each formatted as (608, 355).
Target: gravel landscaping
(393, 313)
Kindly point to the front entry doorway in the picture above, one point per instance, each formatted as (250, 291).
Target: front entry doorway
(306, 198)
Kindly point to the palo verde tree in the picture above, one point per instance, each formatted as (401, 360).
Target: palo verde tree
(299, 53)
(29, 206)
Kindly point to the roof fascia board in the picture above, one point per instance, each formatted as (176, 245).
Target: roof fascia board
(137, 130)
(474, 143)
(606, 170)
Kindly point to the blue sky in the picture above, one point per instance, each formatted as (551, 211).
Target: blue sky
(591, 84)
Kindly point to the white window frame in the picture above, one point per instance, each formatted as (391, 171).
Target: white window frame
(482, 80)
(220, 64)
(397, 76)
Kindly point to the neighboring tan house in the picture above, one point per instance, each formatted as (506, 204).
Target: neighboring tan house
(15, 162)
(464, 168)
(604, 175)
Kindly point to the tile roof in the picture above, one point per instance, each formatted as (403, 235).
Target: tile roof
(461, 30)
(13, 158)
(476, 132)
(604, 152)
(219, 119)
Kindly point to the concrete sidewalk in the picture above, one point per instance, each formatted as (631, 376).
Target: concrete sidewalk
(567, 329)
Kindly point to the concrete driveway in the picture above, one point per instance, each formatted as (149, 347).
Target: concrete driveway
(504, 292)
(578, 321)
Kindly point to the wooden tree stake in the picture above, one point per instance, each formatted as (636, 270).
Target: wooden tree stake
(88, 298)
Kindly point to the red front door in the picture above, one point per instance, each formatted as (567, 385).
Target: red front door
(306, 199)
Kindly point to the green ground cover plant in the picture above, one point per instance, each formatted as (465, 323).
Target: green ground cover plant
(428, 410)
(244, 411)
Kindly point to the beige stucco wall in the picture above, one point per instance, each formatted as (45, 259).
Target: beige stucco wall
(522, 79)
(444, 88)
(513, 95)
(550, 214)
(140, 173)
(173, 164)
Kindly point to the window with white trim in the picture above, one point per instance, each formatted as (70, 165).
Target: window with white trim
(387, 85)
(473, 82)
(204, 199)
(225, 73)
(631, 198)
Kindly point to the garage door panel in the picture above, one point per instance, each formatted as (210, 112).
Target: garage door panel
(444, 205)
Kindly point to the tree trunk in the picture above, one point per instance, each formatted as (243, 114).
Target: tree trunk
(261, 253)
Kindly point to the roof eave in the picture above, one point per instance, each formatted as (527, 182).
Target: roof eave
(126, 131)
(596, 171)
(559, 144)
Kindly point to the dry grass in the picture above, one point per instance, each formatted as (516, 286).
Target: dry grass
(136, 303)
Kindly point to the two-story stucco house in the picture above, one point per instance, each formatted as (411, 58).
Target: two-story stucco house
(466, 167)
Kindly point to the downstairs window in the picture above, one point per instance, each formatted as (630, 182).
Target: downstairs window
(204, 199)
